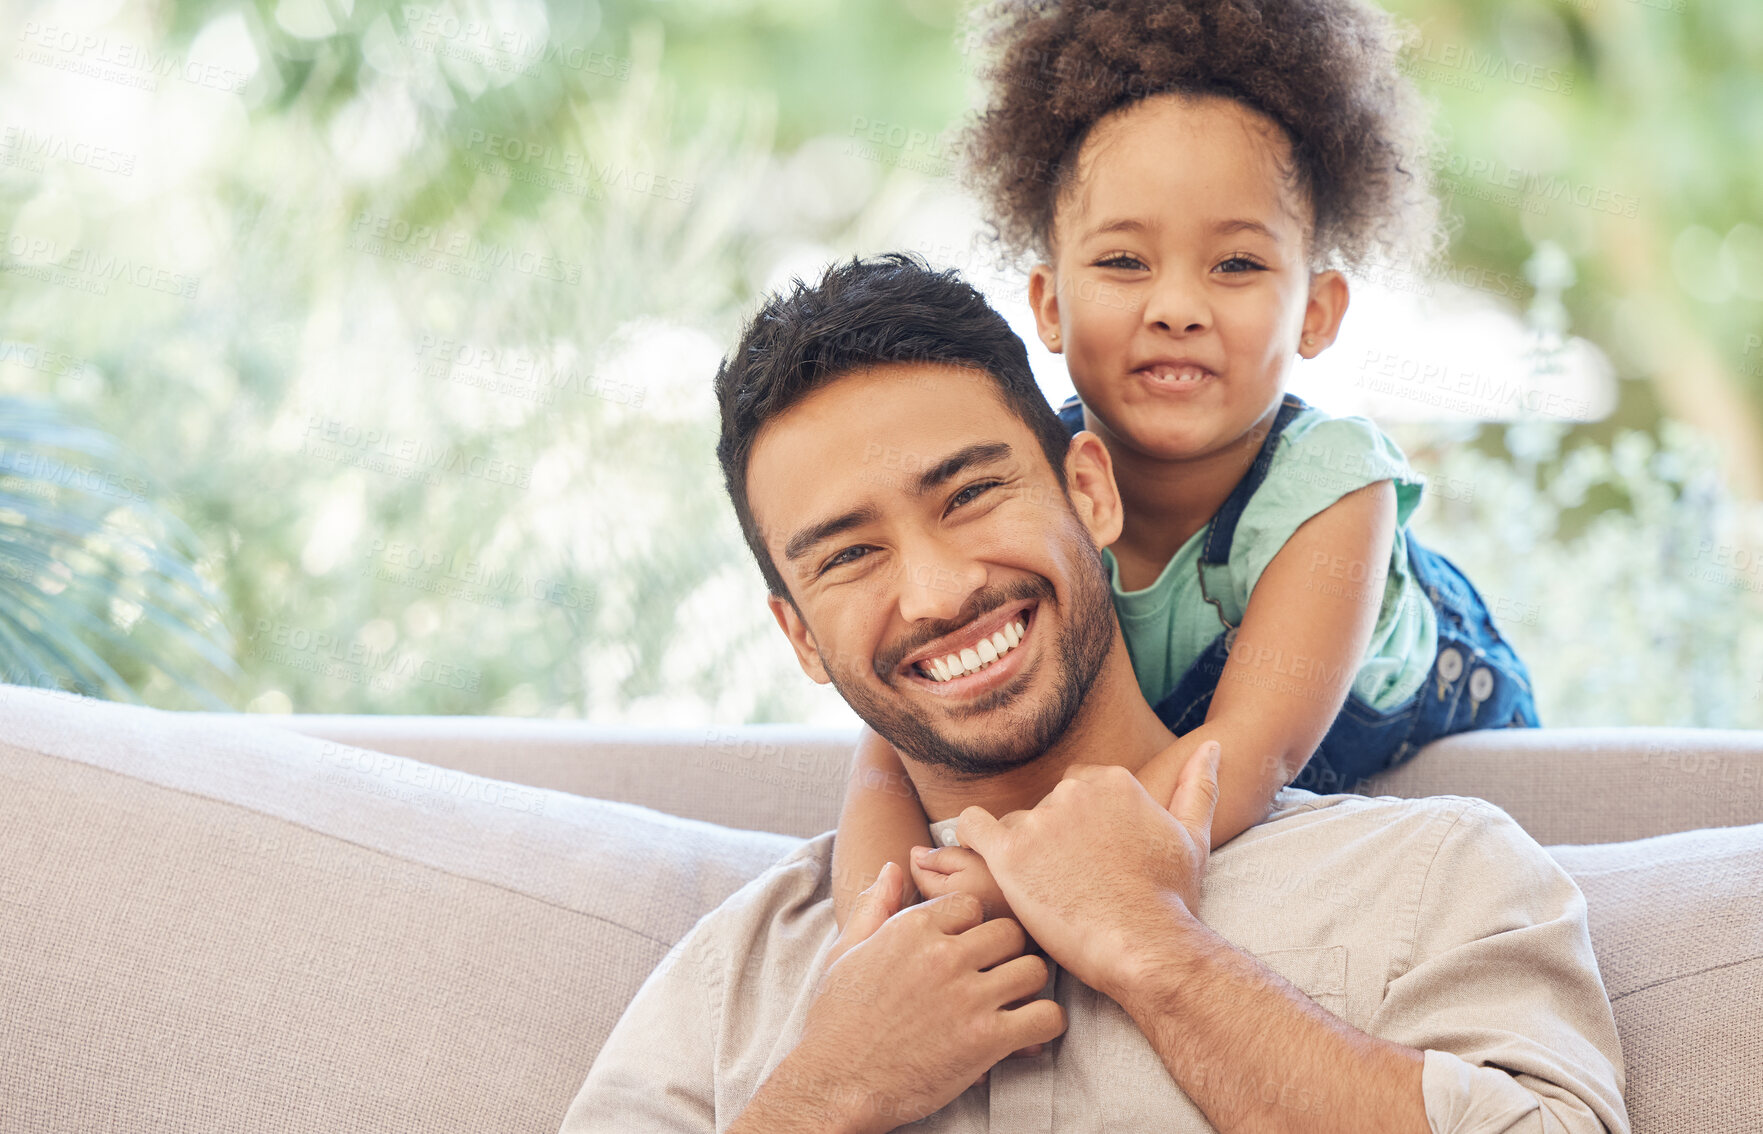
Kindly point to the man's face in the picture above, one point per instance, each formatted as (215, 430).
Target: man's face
(913, 516)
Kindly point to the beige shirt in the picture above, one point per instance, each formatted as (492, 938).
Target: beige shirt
(1436, 923)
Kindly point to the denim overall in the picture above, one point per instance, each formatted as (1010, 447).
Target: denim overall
(1476, 681)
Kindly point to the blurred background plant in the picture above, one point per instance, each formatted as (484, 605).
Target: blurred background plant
(411, 311)
(99, 593)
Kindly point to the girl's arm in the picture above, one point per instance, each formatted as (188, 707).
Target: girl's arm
(882, 822)
(1296, 653)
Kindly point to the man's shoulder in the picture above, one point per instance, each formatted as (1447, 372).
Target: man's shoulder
(1381, 822)
(1340, 867)
(798, 882)
(783, 914)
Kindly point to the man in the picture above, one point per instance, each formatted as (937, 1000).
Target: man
(1348, 964)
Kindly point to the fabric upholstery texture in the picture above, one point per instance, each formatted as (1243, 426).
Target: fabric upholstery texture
(210, 922)
(1677, 926)
(1579, 785)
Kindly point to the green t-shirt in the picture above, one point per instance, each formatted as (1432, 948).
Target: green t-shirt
(1317, 460)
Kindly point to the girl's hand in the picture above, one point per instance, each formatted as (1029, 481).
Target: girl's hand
(946, 870)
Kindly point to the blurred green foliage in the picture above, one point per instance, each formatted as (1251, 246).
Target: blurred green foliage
(433, 292)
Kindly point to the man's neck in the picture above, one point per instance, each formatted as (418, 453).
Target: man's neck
(1113, 726)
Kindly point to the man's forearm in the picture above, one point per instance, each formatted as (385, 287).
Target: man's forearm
(1256, 1054)
(795, 1099)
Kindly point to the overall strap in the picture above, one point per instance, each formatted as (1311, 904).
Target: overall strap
(1215, 551)
(1071, 415)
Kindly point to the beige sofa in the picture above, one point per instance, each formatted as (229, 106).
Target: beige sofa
(216, 923)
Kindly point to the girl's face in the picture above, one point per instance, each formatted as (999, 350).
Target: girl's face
(1180, 287)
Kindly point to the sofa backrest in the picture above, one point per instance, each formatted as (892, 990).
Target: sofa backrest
(1562, 785)
(211, 925)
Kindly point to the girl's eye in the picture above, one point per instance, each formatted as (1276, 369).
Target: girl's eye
(970, 493)
(1248, 265)
(1120, 260)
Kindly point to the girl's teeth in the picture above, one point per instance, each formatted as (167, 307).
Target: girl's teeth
(979, 655)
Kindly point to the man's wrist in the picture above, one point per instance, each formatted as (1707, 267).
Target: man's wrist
(800, 1098)
(1150, 974)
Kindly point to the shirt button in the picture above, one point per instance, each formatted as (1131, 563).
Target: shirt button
(1450, 664)
(1481, 684)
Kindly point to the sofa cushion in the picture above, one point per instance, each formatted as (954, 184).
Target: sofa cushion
(214, 925)
(1677, 925)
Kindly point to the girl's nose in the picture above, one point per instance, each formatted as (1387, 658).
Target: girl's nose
(1176, 304)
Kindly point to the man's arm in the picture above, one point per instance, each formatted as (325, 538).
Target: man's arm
(1498, 1022)
(1255, 1054)
(864, 1062)
(1104, 879)
(1502, 989)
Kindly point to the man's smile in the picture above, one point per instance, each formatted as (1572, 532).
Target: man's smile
(977, 658)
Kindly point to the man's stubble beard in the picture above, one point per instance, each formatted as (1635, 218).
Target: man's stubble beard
(1085, 637)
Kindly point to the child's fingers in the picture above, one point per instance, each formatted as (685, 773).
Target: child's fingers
(946, 860)
(931, 884)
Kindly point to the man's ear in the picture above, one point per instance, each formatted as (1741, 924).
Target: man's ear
(789, 620)
(1089, 478)
(1323, 313)
(1043, 297)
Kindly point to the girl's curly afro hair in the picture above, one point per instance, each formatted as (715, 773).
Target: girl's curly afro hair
(1325, 71)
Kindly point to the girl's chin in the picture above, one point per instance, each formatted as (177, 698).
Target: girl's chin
(1164, 440)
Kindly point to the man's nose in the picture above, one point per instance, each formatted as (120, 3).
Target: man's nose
(935, 585)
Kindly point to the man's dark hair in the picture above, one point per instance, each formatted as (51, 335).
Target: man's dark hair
(863, 314)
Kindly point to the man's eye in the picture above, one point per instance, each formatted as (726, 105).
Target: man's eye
(847, 556)
(971, 492)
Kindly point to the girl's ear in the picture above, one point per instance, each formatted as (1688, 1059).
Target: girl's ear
(1089, 478)
(1043, 297)
(1323, 313)
(789, 620)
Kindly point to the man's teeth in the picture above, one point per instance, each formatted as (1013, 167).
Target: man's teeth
(1174, 374)
(981, 654)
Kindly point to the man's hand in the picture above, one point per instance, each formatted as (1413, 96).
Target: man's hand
(916, 1009)
(1098, 871)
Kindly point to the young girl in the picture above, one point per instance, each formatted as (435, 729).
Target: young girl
(1192, 177)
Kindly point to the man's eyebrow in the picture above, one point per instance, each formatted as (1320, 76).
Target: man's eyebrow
(983, 453)
(804, 541)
